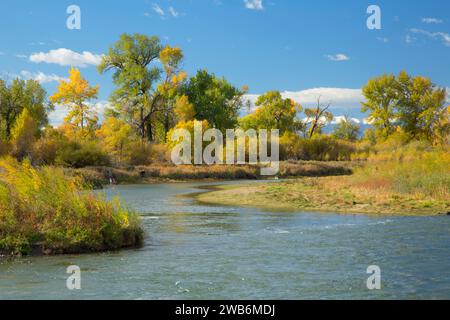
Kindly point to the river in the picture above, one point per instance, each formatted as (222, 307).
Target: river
(193, 251)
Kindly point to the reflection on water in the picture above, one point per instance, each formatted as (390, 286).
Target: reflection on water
(194, 251)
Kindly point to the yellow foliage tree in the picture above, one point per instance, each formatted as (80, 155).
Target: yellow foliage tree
(23, 134)
(117, 137)
(75, 94)
(184, 110)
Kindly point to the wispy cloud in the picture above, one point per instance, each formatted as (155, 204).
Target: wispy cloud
(159, 11)
(432, 21)
(338, 97)
(442, 36)
(40, 76)
(173, 12)
(254, 4)
(67, 57)
(337, 57)
(383, 39)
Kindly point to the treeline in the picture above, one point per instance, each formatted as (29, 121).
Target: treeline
(153, 96)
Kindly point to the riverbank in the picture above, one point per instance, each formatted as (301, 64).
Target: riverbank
(163, 173)
(44, 212)
(326, 194)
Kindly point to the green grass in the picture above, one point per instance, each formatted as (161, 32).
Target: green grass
(403, 183)
(43, 211)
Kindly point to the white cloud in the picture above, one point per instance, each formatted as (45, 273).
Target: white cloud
(382, 39)
(173, 12)
(337, 97)
(339, 119)
(158, 10)
(254, 4)
(444, 37)
(409, 39)
(20, 56)
(337, 57)
(432, 21)
(40, 76)
(67, 57)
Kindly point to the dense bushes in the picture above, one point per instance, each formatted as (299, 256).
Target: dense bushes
(319, 148)
(81, 154)
(41, 209)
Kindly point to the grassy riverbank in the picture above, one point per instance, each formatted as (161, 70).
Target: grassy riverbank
(44, 212)
(410, 186)
(98, 176)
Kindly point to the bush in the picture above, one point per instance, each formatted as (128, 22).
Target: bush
(41, 209)
(81, 154)
(319, 148)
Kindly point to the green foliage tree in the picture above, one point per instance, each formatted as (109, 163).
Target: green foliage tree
(214, 99)
(347, 130)
(381, 100)
(274, 112)
(420, 106)
(133, 59)
(21, 95)
(414, 104)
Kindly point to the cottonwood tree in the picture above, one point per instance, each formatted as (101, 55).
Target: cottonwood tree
(414, 104)
(381, 95)
(214, 99)
(75, 94)
(274, 112)
(346, 129)
(317, 118)
(19, 95)
(140, 98)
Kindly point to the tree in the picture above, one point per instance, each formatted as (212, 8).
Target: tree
(18, 96)
(75, 94)
(214, 99)
(133, 59)
(23, 134)
(381, 100)
(346, 129)
(420, 107)
(171, 58)
(317, 118)
(116, 136)
(414, 104)
(273, 112)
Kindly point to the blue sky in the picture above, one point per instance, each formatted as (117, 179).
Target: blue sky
(296, 46)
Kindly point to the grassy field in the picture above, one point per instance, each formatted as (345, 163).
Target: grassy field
(417, 185)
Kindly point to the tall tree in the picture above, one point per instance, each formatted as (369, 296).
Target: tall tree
(317, 118)
(21, 95)
(133, 58)
(381, 95)
(420, 106)
(273, 112)
(214, 99)
(346, 129)
(75, 94)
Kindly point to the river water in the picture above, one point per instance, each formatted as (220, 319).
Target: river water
(193, 251)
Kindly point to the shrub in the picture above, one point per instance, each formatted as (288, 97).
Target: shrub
(81, 154)
(43, 209)
(319, 148)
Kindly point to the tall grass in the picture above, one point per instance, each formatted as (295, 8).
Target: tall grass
(42, 210)
(417, 169)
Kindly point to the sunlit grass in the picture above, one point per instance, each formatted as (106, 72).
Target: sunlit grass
(42, 210)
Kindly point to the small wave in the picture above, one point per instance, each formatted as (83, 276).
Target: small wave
(278, 231)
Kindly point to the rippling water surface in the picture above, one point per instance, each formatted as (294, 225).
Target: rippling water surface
(194, 251)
